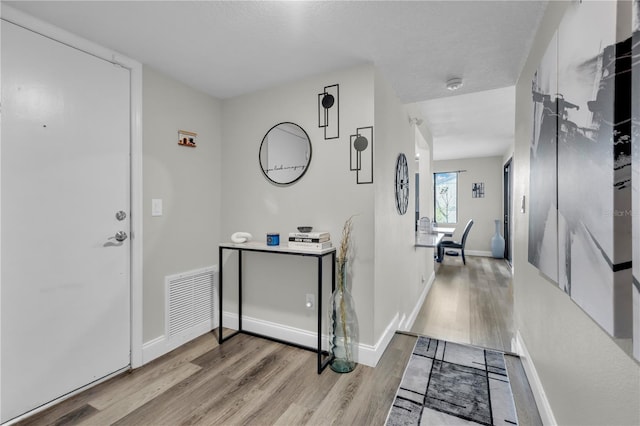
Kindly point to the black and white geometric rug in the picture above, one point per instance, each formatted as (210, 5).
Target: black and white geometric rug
(447, 383)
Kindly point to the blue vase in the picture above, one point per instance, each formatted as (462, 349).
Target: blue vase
(497, 243)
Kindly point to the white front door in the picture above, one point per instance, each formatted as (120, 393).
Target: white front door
(65, 173)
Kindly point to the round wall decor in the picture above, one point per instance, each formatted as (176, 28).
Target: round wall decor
(285, 153)
(402, 184)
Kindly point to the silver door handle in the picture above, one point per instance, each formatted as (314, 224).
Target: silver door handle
(120, 236)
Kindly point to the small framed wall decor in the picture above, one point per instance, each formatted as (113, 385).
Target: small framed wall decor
(477, 190)
(186, 138)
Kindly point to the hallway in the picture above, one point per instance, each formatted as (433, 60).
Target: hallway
(470, 303)
(473, 304)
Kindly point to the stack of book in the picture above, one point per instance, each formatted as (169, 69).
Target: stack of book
(310, 240)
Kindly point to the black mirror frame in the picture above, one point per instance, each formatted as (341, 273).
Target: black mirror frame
(306, 166)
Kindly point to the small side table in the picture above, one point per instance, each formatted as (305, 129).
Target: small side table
(263, 248)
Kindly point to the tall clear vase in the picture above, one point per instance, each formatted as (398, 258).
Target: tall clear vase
(343, 327)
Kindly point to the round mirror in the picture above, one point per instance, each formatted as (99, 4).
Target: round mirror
(285, 153)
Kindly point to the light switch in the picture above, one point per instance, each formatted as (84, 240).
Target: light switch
(156, 207)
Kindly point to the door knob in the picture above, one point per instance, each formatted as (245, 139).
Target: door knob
(120, 236)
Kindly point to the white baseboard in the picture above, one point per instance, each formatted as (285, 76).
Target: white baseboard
(544, 408)
(367, 354)
(274, 330)
(406, 326)
(159, 346)
(480, 253)
(370, 355)
(401, 323)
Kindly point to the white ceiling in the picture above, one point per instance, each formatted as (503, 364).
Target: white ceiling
(228, 48)
(479, 124)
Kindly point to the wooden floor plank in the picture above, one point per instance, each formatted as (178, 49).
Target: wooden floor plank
(179, 403)
(335, 404)
(55, 413)
(75, 416)
(371, 407)
(254, 389)
(285, 384)
(138, 379)
(121, 407)
(294, 415)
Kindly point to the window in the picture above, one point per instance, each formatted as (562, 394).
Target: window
(445, 196)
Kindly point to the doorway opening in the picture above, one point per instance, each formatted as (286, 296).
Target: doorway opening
(508, 209)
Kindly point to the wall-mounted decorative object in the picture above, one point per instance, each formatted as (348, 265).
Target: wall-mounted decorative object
(477, 190)
(594, 133)
(186, 138)
(402, 184)
(329, 111)
(285, 153)
(580, 172)
(361, 154)
(543, 187)
(635, 177)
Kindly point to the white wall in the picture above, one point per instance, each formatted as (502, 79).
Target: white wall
(399, 266)
(188, 180)
(483, 211)
(424, 257)
(587, 377)
(424, 147)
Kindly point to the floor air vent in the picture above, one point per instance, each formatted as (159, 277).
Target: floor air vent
(191, 303)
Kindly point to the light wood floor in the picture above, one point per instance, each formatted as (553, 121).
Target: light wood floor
(470, 303)
(246, 380)
(249, 380)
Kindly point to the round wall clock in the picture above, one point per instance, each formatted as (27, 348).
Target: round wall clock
(402, 184)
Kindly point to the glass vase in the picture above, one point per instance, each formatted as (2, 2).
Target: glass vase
(343, 327)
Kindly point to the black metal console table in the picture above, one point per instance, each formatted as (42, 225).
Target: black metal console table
(263, 248)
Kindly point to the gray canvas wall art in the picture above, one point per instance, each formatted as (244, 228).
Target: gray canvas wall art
(582, 144)
(543, 226)
(594, 165)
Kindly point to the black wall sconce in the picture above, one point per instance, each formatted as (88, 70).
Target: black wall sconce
(329, 111)
(361, 154)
